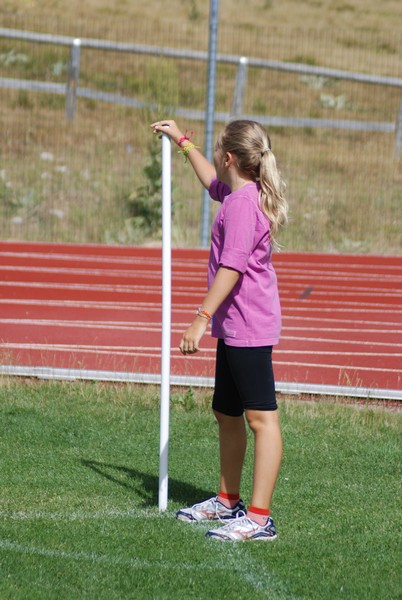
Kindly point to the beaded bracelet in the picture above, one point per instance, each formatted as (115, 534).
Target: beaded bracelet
(186, 150)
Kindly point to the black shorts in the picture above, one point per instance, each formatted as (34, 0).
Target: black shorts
(244, 379)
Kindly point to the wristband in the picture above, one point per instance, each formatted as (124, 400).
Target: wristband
(183, 139)
(185, 151)
(204, 314)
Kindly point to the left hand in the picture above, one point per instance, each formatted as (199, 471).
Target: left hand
(169, 127)
(192, 336)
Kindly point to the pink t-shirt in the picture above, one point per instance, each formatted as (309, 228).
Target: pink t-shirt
(251, 314)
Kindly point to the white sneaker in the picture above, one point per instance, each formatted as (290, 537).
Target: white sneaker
(242, 529)
(210, 510)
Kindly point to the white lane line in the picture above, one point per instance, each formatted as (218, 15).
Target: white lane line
(342, 341)
(324, 267)
(155, 326)
(319, 289)
(387, 309)
(85, 347)
(186, 290)
(342, 367)
(334, 353)
(76, 350)
(154, 350)
(335, 321)
(94, 348)
(324, 292)
(129, 260)
(109, 288)
(322, 278)
(284, 266)
(318, 296)
(297, 311)
(76, 286)
(341, 329)
(106, 305)
(156, 308)
(134, 274)
(121, 326)
(347, 305)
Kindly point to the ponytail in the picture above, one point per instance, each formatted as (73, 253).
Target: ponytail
(273, 201)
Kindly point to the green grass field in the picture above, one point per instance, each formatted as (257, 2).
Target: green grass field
(79, 487)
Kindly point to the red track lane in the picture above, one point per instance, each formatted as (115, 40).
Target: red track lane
(99, 308)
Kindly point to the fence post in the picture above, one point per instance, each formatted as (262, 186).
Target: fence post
(240, 87)
(72, 79)
(398, 132)
(210, 113)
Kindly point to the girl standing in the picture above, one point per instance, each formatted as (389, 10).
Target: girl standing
(243, 300)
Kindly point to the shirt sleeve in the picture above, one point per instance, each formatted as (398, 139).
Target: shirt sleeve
(218, 190)
(239, 223)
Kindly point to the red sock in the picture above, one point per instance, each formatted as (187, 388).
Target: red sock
(259, 515)
(229, 500)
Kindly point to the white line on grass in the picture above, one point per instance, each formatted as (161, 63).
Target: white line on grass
(81, 515)
(254, 572)
(100, 558)
(235, 557)
(255, 575)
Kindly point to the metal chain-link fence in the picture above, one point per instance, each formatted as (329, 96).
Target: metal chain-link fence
(81, 168)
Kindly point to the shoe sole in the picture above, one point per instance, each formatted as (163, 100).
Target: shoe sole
(182, 517)
(255, 539)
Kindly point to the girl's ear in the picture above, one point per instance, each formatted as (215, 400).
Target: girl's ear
(229, 159)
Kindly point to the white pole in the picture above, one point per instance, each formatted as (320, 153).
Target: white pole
(166, 321)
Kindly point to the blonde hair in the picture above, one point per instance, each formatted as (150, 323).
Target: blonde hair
(251, 145)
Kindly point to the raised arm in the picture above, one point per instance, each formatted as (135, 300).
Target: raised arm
(204, 170)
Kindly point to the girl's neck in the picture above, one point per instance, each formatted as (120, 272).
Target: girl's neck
(237, 181)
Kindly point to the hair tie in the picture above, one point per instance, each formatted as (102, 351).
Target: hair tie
(266, 149)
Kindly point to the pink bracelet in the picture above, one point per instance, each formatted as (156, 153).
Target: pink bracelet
(185, 138)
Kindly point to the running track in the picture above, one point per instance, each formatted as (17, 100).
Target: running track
(95, 312)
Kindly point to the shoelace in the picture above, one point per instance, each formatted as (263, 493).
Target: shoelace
(235, 523)
(201, 505)
(217, 516)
